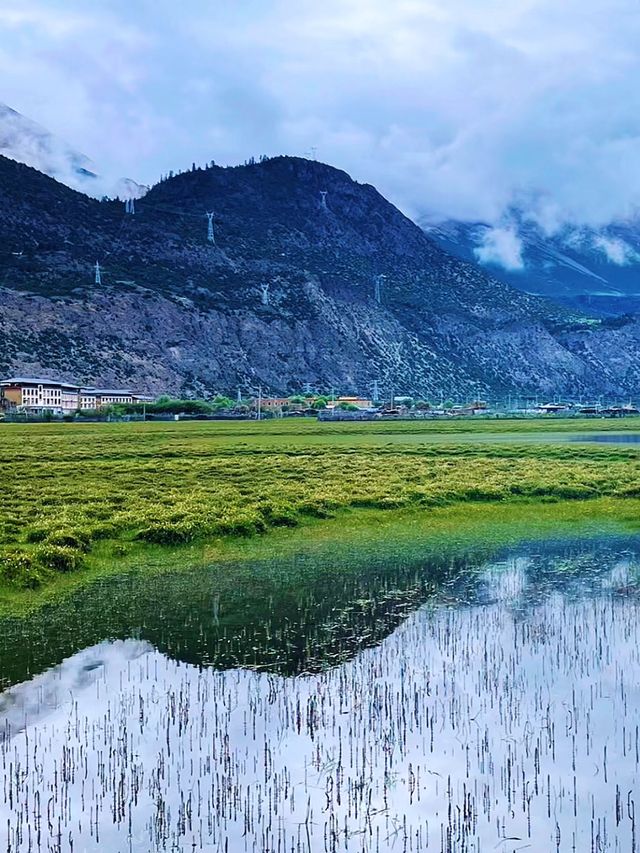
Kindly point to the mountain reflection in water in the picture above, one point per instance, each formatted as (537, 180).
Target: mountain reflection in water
(502, 713)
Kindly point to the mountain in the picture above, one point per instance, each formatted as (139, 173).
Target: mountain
(588, 269)
(28, 142)
(176, 312)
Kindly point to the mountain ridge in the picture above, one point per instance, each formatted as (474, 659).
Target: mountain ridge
(175, 312)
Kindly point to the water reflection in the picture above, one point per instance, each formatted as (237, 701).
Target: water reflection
(287, 616)
(619, 438)
(500, 715)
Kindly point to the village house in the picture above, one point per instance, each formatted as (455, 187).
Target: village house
(359, 402)
(280, 404)
(274, 404)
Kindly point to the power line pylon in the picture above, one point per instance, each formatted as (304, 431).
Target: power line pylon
(210, 235)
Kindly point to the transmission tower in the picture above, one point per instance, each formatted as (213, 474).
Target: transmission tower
(130, 206)
(98, 274)
(265, 293)
(323, 199)
(210, 235)
(376, 391)
(377, 292)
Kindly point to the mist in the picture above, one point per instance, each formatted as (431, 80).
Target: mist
(459, 110)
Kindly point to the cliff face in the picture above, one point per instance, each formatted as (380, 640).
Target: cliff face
(175, 312)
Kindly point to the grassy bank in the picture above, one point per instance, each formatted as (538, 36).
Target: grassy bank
(297, 599)
(73, 492)
(322, 564)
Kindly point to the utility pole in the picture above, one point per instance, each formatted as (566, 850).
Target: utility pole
(210, 235)
(376, 392)
(259, 402)
(144, 411)
(98, 279)
(239, 397)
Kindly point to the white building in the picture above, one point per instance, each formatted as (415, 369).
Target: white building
(36, 396)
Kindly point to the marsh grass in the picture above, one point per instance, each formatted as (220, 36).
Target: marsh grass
(68, 488)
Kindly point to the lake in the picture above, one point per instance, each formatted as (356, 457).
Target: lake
(467, 702)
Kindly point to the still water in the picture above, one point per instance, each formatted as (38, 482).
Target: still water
(611, 438)
(467, 704)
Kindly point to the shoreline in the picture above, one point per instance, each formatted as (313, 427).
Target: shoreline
(393, 532)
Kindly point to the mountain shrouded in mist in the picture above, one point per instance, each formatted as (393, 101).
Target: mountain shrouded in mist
(28, 142)
(593, 269)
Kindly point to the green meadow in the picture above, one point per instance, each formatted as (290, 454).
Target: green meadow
(78, 496)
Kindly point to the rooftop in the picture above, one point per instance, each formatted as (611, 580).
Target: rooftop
(30, 380)
(113, 391)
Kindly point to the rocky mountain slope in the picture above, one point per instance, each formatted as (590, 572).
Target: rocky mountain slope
(174, 311)
(587, 269)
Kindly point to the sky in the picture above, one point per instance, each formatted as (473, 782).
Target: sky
(451, 108)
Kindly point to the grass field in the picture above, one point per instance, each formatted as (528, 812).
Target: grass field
(67, 488)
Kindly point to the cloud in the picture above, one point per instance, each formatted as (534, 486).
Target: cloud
(458, 109)
(500, 246)
(616, 250)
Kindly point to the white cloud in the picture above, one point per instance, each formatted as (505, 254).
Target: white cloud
(616, 250)
(460, 107)
(500, 246)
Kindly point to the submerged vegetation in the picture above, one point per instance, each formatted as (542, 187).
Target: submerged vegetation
(66, 488)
